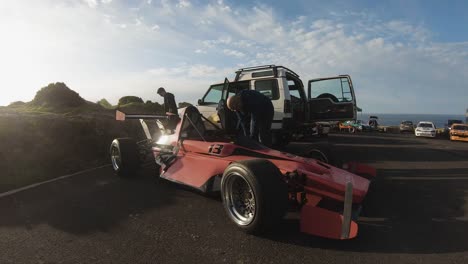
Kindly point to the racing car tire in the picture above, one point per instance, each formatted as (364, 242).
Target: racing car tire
(125, 157)
(324, 153)
(270, 193)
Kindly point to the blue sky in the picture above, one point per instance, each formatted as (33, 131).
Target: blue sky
(404, 56)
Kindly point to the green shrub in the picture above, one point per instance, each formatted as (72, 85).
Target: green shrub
(104, 103)
(141, 108)
(57, 95)
(17, 104)
(129, 99)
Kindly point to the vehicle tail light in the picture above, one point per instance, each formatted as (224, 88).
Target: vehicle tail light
(287, 106)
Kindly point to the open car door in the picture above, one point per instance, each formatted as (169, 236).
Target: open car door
(229, 119)
(331, 99)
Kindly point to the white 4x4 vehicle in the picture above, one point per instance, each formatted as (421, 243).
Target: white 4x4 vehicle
(297, 113)
(425, 129)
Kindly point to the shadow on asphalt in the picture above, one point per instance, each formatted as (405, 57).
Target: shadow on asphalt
(413, 216)
(375, 139)
(404, 214)
(94, 203)
(406, 210)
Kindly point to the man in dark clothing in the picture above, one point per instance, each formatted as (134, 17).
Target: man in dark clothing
(261, 111)
(170, 107)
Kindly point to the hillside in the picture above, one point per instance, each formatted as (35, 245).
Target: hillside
(58, 133)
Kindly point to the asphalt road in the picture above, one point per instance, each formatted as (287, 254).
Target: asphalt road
(416, 212)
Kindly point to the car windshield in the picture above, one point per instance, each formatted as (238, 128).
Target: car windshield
(460, 128)
(451, 122)
(407, 123)
(425, 125)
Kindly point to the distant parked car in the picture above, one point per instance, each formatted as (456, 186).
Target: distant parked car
(459, 132)
(373, 122)
(352, 126)
(449, 124)
(362, 126)
(407, 126)
(425, 129)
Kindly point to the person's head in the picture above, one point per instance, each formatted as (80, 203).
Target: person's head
(161, 91)
(234, 103)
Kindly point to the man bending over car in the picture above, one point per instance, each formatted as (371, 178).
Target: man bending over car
(261, 111)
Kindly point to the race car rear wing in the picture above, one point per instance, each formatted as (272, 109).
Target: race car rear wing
(121, 116)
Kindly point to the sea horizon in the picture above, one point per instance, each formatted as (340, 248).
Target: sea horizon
(390, 119)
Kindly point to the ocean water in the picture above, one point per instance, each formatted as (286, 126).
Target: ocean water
(395, 119)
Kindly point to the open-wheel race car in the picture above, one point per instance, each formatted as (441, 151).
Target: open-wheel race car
(258, 185)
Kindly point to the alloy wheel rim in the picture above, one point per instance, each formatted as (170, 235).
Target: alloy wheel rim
(115, 158)
(240, 199)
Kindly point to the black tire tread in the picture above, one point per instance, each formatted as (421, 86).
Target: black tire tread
(129, 154)
(270, 189)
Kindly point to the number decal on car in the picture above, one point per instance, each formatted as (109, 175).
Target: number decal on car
(215, 149)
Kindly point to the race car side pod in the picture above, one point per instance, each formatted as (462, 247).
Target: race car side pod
(121, 116)
(360, 169)
(325, 223)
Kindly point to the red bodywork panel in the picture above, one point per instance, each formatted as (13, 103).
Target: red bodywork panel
(198, 161)
(324, 223)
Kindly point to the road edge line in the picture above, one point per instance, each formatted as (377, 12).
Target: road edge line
(27, 187)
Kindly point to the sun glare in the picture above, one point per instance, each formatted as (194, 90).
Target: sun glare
(24, 62)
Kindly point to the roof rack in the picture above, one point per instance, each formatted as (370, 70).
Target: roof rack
(263, 67)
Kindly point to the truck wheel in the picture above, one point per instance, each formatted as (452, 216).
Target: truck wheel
(324, 153)
(125, 157)
(254, 195)
(318, 155)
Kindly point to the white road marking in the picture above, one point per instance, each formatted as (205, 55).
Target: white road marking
(8, 193)
(419, 165)
(426, 178)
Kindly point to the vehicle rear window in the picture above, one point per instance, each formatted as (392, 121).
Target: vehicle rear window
(460, 127)
(425, 125)
(262, 74)
(337, 87)
(269, 88)
(451, 122)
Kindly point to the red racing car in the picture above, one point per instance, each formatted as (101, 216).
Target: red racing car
(258, 185)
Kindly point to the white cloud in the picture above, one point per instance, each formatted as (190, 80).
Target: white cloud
(234, 53)
(393, 63)
(106, 1)
(138, 22)
(205, 22)
(91, 3)
(183, 4)
(223, 6)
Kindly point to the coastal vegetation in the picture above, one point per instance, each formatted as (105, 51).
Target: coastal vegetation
(59, 132)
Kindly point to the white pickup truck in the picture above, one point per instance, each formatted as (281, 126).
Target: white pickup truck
(297, 113)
